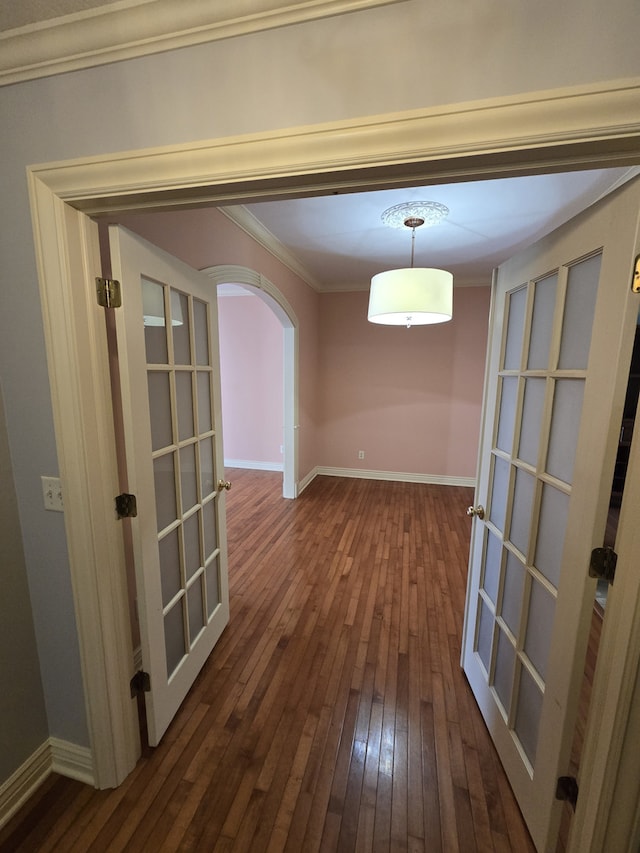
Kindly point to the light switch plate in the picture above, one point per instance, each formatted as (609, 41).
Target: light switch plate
(52, 494)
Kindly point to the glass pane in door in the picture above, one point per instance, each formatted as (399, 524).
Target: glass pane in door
(159, 390)
(492, 558)
(582, 289)
(180, 326)
(506, 419)
(552, 522)
(539, 625)
(565, 422)
(503, 675)
(155, 333)
(523, 494)
(212, 585)
(174, 636)
(529, 706)
(499, 492)
(196, 610)
(512, 593)
(544, 303)
(515, 329)
(532, 411)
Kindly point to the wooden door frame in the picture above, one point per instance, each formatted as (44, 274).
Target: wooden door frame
(582, 127)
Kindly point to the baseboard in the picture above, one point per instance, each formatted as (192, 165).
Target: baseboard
(397, 476)
(71, 760)
(24, 782)
(52, 756)
(302, 485)
(255, 466)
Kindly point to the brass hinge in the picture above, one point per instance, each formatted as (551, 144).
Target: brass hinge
(109, 292)
(140, 683)
(567, 789)
(126, 506)
(603, 564)
(635, 278)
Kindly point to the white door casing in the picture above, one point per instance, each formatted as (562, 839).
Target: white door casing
(548, 395)
(276, 301)
(170, 380)
(585, 127)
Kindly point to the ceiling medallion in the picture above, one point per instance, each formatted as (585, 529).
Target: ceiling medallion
(429, 212)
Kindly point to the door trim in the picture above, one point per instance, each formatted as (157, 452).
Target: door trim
(269, 293)
(582, 127)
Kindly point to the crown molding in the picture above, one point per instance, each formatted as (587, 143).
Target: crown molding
(133, 28)
(244, 219)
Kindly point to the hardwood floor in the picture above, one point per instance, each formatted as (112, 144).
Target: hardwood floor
(333, 714)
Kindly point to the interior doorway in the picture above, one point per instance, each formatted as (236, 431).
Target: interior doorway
(261, 288)
(66, 246)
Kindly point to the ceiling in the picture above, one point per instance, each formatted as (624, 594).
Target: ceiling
(338, 242)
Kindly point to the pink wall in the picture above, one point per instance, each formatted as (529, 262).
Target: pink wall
(251, 371)
(410, 398)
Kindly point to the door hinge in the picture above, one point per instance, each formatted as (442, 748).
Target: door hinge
(126, 506)
(140, 683)
(567, 789)
(635, 278)
(109, 292)
(603, 564)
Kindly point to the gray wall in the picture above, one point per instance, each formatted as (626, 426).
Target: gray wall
(23, 721)
(410, 55)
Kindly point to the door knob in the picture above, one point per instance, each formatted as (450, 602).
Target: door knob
(223, 484)
(478, 511)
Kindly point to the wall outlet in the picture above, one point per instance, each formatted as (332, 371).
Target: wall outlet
(52, 494)
(361, 454)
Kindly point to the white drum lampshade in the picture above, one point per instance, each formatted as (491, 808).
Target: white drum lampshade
(411, 297)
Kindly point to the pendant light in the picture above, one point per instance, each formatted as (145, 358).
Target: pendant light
(412, 296)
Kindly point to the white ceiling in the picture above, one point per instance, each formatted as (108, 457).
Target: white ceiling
(340, 240)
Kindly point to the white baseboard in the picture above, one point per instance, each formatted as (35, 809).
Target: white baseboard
(22, 784)
(71, 760)
(397, 476)
(302, 485)
(52, 756)
(256, 466)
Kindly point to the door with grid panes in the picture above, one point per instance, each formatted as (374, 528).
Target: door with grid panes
(561, 332)
(168, 362)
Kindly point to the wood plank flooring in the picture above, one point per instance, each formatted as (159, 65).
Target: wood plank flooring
(333, 714)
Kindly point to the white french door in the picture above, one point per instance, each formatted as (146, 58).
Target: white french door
(562, 325)
(169, 375)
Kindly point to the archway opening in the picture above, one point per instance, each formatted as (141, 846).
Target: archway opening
(258, 374)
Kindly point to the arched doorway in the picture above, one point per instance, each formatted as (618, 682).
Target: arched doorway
(255, 283)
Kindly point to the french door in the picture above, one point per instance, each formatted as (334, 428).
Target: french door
(170, 388)
(562, 325)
